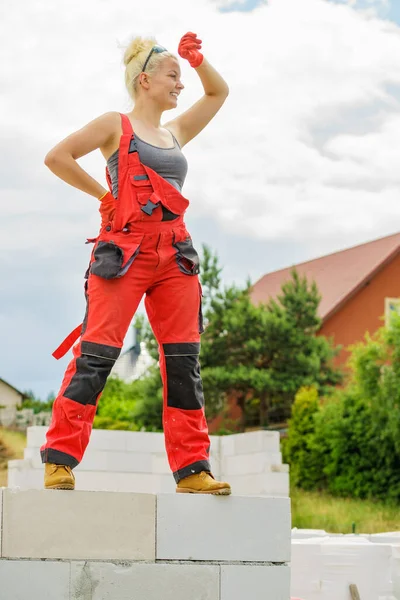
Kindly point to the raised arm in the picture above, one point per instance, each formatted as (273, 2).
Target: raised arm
(190, 123)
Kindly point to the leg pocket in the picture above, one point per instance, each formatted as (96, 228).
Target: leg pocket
(187, 258)
(113, 257)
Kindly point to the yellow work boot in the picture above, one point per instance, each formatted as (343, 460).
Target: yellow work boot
(58, 477)
(203, 483)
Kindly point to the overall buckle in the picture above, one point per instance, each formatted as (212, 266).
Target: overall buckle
(150, 206)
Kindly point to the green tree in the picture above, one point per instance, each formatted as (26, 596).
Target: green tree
(263, 354)
(297, 447)
(354, 435)
(116, 406)
(38, 405)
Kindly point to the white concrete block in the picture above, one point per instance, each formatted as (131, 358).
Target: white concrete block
(246, 464)
(105, 581)
(252, 441)
(36, 436)
(159, 463)
(388, 537)
(145, 441)
(303, 534)
(143, 483)
(325, 567)
(22, 475)
(255, 582)
(78, 525)
(262, 484)
(395, 569)
(229, 528)
(34, 580)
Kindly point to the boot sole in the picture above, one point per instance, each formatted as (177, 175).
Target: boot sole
(223, 492)
(65, 486)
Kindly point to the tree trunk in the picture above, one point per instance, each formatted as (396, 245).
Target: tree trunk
(264, 407)
(241, 402)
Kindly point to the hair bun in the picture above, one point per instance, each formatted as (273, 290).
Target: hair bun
(136, 46)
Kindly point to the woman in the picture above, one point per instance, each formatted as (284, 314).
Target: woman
(143, 248)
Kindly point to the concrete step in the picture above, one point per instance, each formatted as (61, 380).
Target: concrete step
(108, 545)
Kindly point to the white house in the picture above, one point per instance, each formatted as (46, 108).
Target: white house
(134, 362)
(10, 398)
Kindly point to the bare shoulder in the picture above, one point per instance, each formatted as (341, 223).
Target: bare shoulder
(98, 133)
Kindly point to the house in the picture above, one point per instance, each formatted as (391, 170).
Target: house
(359, 287)
(10, 399)
(134, 362)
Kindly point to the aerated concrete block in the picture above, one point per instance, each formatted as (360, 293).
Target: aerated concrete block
(21, 474)
(255, 582)
(261, 484)
(253, 441)
(145, 441)
(247, 464)
(34, 580)
(141, 483)
(105, 581)
(36, 436)
(78, 525)
(224, 528)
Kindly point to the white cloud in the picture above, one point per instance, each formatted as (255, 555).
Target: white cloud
(289, 65)
(289, 157)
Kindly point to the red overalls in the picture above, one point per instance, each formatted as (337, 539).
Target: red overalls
(138, 253)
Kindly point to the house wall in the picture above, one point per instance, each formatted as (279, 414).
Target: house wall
(9, 399)
(364, 311)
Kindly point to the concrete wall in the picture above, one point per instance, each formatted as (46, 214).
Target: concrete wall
(127, 461)
(113, 546)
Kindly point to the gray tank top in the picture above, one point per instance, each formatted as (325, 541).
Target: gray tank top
(169, 163)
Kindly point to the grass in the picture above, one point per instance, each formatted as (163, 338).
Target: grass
(314, 510)
(12, 444)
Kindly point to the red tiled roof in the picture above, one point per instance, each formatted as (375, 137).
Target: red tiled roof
(338, 276)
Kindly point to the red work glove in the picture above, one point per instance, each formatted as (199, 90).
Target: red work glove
(107, 208)
(189, 47)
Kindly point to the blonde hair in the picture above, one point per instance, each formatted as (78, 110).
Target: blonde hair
(134, 58)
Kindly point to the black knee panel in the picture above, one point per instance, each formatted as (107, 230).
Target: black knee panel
(184, 385)
(92, 369)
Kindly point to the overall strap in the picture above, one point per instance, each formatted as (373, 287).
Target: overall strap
(127, 133)
(126, 145)
(126, 125)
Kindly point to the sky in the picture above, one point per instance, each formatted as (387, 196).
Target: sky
(301, 161)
